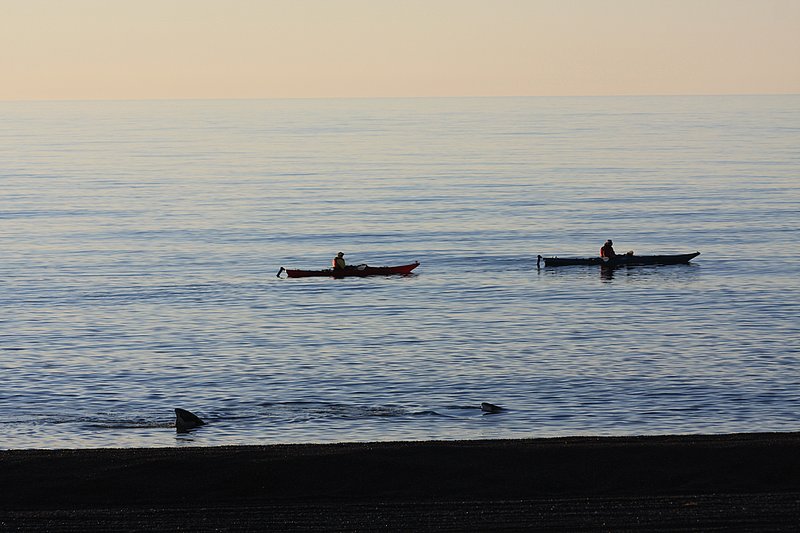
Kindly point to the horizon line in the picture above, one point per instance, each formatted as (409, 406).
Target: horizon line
(235, 98)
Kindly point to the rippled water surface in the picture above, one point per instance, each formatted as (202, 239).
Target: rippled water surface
(140, 242)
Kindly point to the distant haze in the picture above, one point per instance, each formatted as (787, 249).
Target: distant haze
(117, 49)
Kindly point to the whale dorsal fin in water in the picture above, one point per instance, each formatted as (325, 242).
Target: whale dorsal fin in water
(185, 420)
(490, 407)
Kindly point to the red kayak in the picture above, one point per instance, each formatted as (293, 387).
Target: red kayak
(351, 271)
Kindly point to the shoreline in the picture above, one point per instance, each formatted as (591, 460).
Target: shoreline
(679, 481)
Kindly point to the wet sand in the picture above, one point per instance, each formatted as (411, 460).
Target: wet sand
(742, 481)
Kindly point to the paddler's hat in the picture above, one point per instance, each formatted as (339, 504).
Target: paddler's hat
(609, 241)
(340, 254)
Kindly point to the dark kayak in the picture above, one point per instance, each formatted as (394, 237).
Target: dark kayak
(620, 260)
(351, 271)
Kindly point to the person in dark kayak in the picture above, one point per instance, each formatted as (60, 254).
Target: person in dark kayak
(608, 250)
(338, 262)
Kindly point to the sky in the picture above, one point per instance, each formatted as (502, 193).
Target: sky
(143, 49)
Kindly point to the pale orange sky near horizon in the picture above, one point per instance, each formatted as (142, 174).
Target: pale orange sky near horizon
(116, 49)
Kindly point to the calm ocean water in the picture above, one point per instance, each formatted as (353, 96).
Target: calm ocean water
(140, 243)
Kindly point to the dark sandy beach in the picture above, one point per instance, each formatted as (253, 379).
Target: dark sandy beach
(723, 482)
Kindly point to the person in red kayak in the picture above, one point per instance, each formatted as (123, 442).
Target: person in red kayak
(338, 262)
(608, 250)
